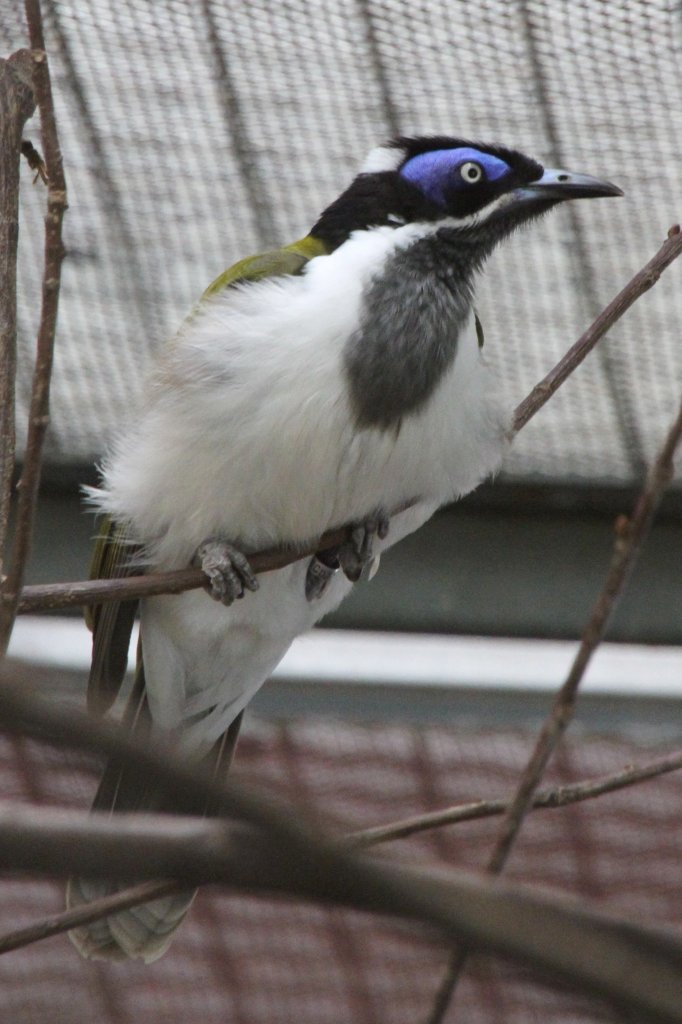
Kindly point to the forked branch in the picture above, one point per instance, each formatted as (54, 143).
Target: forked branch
(40, 393)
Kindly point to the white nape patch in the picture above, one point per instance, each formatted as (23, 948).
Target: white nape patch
(383, 158)
(393, 218)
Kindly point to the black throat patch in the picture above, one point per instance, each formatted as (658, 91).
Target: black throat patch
(412, 315)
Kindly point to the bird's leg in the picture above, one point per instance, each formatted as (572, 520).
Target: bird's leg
(355, 557)
(227, 570)
(322, 567)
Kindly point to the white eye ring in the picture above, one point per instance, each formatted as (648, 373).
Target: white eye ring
(471, 172)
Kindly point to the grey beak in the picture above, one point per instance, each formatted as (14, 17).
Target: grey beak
(557, 185)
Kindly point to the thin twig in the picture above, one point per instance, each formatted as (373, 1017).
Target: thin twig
(16, 106)
(547, 799)
(645, 279)
(40, 394)
(562, 796)
(65, 920)
(630, 535)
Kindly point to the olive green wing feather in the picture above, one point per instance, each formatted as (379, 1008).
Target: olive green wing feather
(290, 259)
(111, 623)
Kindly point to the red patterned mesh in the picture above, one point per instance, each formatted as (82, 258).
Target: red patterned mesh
(244, 960)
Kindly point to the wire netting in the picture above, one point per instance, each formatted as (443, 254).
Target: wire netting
(196, 133)
(260, 961)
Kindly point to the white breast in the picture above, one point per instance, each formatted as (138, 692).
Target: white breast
(249, 432)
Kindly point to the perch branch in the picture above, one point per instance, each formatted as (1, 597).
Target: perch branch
(630, 535)
(58, 923)
(86, 592)
(65, 595)
(40, 394)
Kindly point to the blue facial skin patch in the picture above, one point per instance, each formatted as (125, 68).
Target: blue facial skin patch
(434, 171)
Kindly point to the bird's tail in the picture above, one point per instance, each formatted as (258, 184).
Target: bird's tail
(143, 931)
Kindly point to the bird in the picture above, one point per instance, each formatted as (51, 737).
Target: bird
(339, 380)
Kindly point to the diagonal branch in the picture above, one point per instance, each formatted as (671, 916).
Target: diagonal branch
(645, 279)
(58, 923)
(77, 917)
(86, 592)
(630, 535)
(40, 395)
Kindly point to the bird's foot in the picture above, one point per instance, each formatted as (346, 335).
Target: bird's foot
(227, 570)
(356, 556)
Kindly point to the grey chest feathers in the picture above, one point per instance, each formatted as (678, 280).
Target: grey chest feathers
(413, 312)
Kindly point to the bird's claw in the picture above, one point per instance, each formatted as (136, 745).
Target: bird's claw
(356, 556)
(227, 570)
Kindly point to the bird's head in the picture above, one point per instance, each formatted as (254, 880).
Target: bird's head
(470, 185)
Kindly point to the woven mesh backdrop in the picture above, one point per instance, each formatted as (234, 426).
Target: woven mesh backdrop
(240, 960)
(197, 132)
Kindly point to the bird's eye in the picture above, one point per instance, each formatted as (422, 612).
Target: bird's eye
(471, 172)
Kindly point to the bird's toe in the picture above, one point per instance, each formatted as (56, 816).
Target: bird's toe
(357, 555)
(227, 570)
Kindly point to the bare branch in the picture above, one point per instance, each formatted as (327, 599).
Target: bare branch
(547, 799)
(630, 535)
(645, 279)
(553, 798)
(62, 922)
(16, 106)
(40, 395)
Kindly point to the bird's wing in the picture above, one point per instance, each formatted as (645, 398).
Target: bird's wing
(290, 259)
(111, 623)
